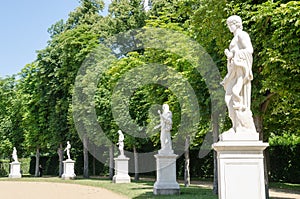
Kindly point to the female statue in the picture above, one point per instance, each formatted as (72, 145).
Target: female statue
(166, 126)
(14, 155)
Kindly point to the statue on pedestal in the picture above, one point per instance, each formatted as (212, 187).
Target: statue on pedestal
(15, 166)
(121, 163)
(237, 82)
(14, 155)
(165, 183)
(68, 150)
(121, 142)
(166, 126)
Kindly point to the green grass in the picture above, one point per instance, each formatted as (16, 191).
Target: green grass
(136, 190)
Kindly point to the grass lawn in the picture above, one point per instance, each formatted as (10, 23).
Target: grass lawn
(136, 190)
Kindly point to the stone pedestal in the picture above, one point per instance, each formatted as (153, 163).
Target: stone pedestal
(166, 183)
(68, 170)
(121, 170)
(15, 170)
(241, 169)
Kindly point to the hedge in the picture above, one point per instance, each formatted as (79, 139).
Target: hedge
(284, 164)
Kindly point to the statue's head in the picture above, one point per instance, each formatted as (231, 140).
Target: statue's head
(165, 107)
(119, 131)
(236, 20)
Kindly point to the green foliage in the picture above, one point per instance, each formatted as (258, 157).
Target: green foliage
(11, 133)
(126, 15)
(4, 167)
(279, 63)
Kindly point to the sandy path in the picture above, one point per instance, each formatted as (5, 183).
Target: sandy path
(278, 194)
(274, 193)
(45, 190)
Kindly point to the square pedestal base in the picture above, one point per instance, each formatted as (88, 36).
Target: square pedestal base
(166, 183)
(69, 173)
(121, 170)
(241, 169)
(15, 170)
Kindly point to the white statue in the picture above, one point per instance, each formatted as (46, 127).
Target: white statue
(121, 142)
(68, 150)
(237, 82)
(14, 155)
(166, 126)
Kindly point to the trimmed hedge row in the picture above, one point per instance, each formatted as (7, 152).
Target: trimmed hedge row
(4, 166)
(284, 164)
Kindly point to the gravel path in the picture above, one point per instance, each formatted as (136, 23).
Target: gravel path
(274, 193)
(45, 190)
(283, 194)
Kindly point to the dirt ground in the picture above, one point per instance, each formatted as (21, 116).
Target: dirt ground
(282, 194)
(44, 190)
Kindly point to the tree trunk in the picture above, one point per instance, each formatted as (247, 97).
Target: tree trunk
(215, 129)
(94, 162)
(215, 184)
(60, 153)
(111, 161)
(37, 162)
(258, 121)
(187, 179)
(85, 158)
(136, 164)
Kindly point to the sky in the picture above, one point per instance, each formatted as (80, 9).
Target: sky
(23, 30)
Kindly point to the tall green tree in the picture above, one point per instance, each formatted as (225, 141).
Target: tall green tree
(11, 132)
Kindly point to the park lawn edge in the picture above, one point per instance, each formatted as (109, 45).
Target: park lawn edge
(136, 189)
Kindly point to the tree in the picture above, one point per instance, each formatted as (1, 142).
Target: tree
(11, 133)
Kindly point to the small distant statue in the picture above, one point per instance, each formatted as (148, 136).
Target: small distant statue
(14, 155)
(237, 82)
(166, 126)
(121, 142)
(68, 148)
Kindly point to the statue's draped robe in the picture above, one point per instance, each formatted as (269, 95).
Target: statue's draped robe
(166, 126)
(237, 84)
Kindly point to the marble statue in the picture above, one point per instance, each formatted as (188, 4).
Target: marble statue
(15, 166)
(14, 155)
(121, 142)
(165, 183)
(237, 82)
(68, 150)
(166, 126)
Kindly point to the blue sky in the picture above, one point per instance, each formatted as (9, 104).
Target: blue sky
(24, 25)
